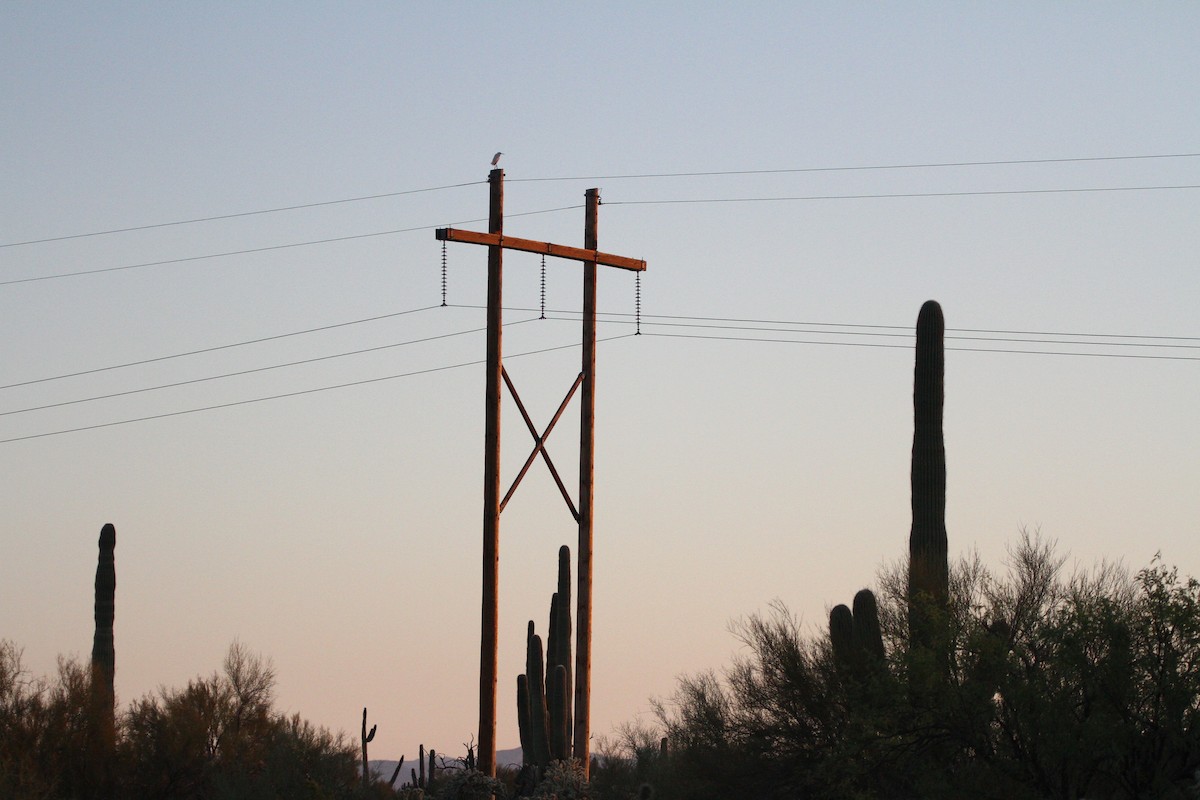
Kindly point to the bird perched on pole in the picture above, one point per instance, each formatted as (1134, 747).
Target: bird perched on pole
(496, 158)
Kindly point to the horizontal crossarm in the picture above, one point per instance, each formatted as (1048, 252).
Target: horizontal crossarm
(547, 248)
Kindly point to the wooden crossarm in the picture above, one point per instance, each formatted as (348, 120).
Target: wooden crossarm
(547, 248)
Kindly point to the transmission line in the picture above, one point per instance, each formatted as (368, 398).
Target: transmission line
(269, 248)
(251, 371)
(628, 176)
(763, 339)
(898, 195)
(565, 313)
(861, 168)
(237, 214)
(299, 393)
(218, 347)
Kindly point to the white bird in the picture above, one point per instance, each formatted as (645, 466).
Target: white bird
(496, 159)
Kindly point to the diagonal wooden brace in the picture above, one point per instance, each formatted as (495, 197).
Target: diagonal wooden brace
(540, 442)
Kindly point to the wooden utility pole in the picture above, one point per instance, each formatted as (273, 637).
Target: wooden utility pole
(490, 629)
(493, 503)
(587, 461)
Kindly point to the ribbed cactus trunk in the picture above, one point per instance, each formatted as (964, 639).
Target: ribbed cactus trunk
(559, 663)
(928, 566)
(868, 636)
(539, 715)
(544, 692)
(857, 639)
(367, 738)
(103, 694)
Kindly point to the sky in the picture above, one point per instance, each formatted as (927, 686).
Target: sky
(799, 177)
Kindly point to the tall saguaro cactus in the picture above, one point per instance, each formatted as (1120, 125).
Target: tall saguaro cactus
(367, 738)
(103, 651)
(103, 694)
(544, 694)
(928, 567)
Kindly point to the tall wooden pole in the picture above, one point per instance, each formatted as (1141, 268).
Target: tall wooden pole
(488, 649)
(587, 461)
(496, 243)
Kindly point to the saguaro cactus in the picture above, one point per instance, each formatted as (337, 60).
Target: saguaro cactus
(367, 737)
(928, 567)
(856, 638)
(103, 695)
(544, 691)
(103, 651)
(868, 637)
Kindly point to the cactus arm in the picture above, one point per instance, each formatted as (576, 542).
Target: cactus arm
(868, 637)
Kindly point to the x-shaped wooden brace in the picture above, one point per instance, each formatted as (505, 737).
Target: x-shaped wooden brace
(539, 442)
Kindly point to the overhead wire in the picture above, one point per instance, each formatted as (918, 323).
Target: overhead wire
(574, 314)
(908, 347)
(897, 195)
(635, 202)
(858, 168)
(720, 323)
(298, 393)
(238, 214)
(782, 327)
(218, 347)
(702, 323)
(618, 176)
(252, 370)
(1010, 339)
(268, 248)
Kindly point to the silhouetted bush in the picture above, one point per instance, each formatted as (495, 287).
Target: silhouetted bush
(1058, 686)
(218, 738)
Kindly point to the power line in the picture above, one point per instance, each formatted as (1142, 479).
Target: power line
(237, 214)
(252, 371)
(1011, 339)
(674, 320)
(696, 336)
(639, 176)
(218, 347)
(266, 249)
(927, 165)
(897, 195)
(811, 323)
(712, 337)
(299, 393)
(674, 201)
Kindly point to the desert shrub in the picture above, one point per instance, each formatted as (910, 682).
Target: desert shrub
(1054, 686)
(219, 737)
(468, 784)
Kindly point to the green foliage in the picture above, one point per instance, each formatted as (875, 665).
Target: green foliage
(1056, 686)
(218, 738)
(635, 765)
(46, 730)
(468, 784)
(564, 780)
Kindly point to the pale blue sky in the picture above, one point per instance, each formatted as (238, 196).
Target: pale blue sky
(339, 531)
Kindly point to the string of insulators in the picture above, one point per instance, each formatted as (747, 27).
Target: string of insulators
(637, 303)
(543, 286)
(443, 272)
